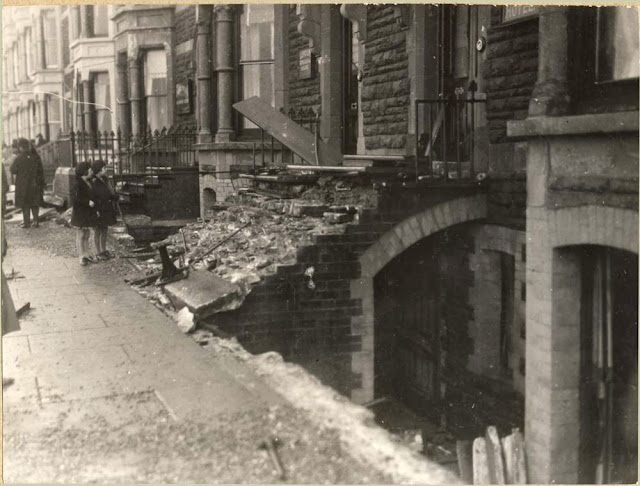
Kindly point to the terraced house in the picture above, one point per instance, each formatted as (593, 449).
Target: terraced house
(490, 276)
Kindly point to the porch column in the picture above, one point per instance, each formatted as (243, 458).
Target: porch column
(330, 67)
(45, 116)
(87, 109)
(135, 95)
(204, 67)
(550, 95)
(225, 70)
(84, 21)
(122, 98)
(41, 59)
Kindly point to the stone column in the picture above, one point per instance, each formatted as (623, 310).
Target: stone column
(122, 97)
(225, 69)
(84, 21)
(40, 35)
(330, 67)
(87, 109)
(550, 95)
(204, 68)
(135, 95)
(45, 117)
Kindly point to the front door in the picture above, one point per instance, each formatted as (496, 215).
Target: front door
(609, 368)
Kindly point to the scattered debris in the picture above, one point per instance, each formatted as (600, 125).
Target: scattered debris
(65, 218)
(185, 320)
(270, 445)
(23, 309)
(484, 464)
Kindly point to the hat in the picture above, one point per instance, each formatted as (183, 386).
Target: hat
(97, 166)
(82, 169)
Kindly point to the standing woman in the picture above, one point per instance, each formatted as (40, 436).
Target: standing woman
(105, 198)
(84, 215)
(29, 173)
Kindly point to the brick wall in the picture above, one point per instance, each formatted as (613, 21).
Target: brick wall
(185, 57)
(510, 71)
(176, 197)
(303, 93)
(386, 84)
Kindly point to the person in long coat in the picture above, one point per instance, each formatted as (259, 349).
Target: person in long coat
(9, 317)
(84, 215)
(105, 198)
(29, 182)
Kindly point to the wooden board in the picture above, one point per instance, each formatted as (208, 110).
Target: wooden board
(287, 132)
(494, 456)
(480, 466)
(464, 452)
(514, 458)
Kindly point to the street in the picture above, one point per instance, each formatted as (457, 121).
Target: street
(108, 389)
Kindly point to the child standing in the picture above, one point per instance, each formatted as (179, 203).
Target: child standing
(105, 198)
(84, 214)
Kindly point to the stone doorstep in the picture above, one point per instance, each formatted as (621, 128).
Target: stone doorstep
(203, 293)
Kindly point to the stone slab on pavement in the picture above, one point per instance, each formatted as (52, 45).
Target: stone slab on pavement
(203, 293)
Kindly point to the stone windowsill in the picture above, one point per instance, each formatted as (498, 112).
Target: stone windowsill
(541, 126)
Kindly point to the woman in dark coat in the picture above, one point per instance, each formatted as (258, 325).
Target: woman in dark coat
(105, 198)
(29, 181)
(84, 215)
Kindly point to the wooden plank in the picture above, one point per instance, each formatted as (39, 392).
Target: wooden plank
(480, 466)
(287, 132)
(494, 456)
(464, 452)
(514, 458)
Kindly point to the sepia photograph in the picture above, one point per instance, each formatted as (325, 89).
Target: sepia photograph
(320, 243)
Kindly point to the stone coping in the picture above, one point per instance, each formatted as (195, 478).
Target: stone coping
(235, 145)
(626, 121)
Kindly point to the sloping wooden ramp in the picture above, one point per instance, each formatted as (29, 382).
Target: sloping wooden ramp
(296, 138)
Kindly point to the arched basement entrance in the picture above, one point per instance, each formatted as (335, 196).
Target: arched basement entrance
(440, 317)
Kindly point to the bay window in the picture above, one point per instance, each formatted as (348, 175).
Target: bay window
(50, 34)
(155, 89)
(102, 98)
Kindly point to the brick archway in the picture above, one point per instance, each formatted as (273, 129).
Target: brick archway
(553, 321)
(408, 232)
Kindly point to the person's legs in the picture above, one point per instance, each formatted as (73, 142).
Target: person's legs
(82, 243)
(97, 240)
(103, 240)
(35, 211)
(26, 217)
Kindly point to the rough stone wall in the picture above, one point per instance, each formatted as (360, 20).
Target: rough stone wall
(510, 71)
(303, 93)
(185, 57)
(386, 84)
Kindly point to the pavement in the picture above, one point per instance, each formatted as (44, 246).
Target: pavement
(108, 389)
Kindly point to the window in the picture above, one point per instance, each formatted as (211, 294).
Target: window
(16, 63)
(102, 98)
(256, 54)
(64, 32)
(53, 108)
(99, 18)
(155, 89)
(29, 57)
(75, 22)
(603, 59)
(33, 51)
(617, 44)
(50, 39)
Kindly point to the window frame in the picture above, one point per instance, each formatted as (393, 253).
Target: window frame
(251, 132)
(146, 96)
(588, 95)
(55, 63)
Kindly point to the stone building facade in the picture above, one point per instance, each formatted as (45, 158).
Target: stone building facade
(505, 291)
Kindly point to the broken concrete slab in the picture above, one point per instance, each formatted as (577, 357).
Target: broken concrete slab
(205, 294)
(337, 218)
(314, 210)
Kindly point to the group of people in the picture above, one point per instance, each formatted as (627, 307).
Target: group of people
(94, 207)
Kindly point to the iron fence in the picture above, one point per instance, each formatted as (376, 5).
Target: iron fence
(445, 142)
(272, 152)
(148, 153)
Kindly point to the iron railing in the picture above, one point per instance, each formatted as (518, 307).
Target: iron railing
(148, 153)
(445, 142)
(272, 152)
(54, 154)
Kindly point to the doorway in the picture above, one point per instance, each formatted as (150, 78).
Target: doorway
(609, 367)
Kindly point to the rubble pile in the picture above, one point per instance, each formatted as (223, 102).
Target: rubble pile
(261, 236)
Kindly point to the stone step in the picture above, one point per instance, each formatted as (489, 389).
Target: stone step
(373, 160)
